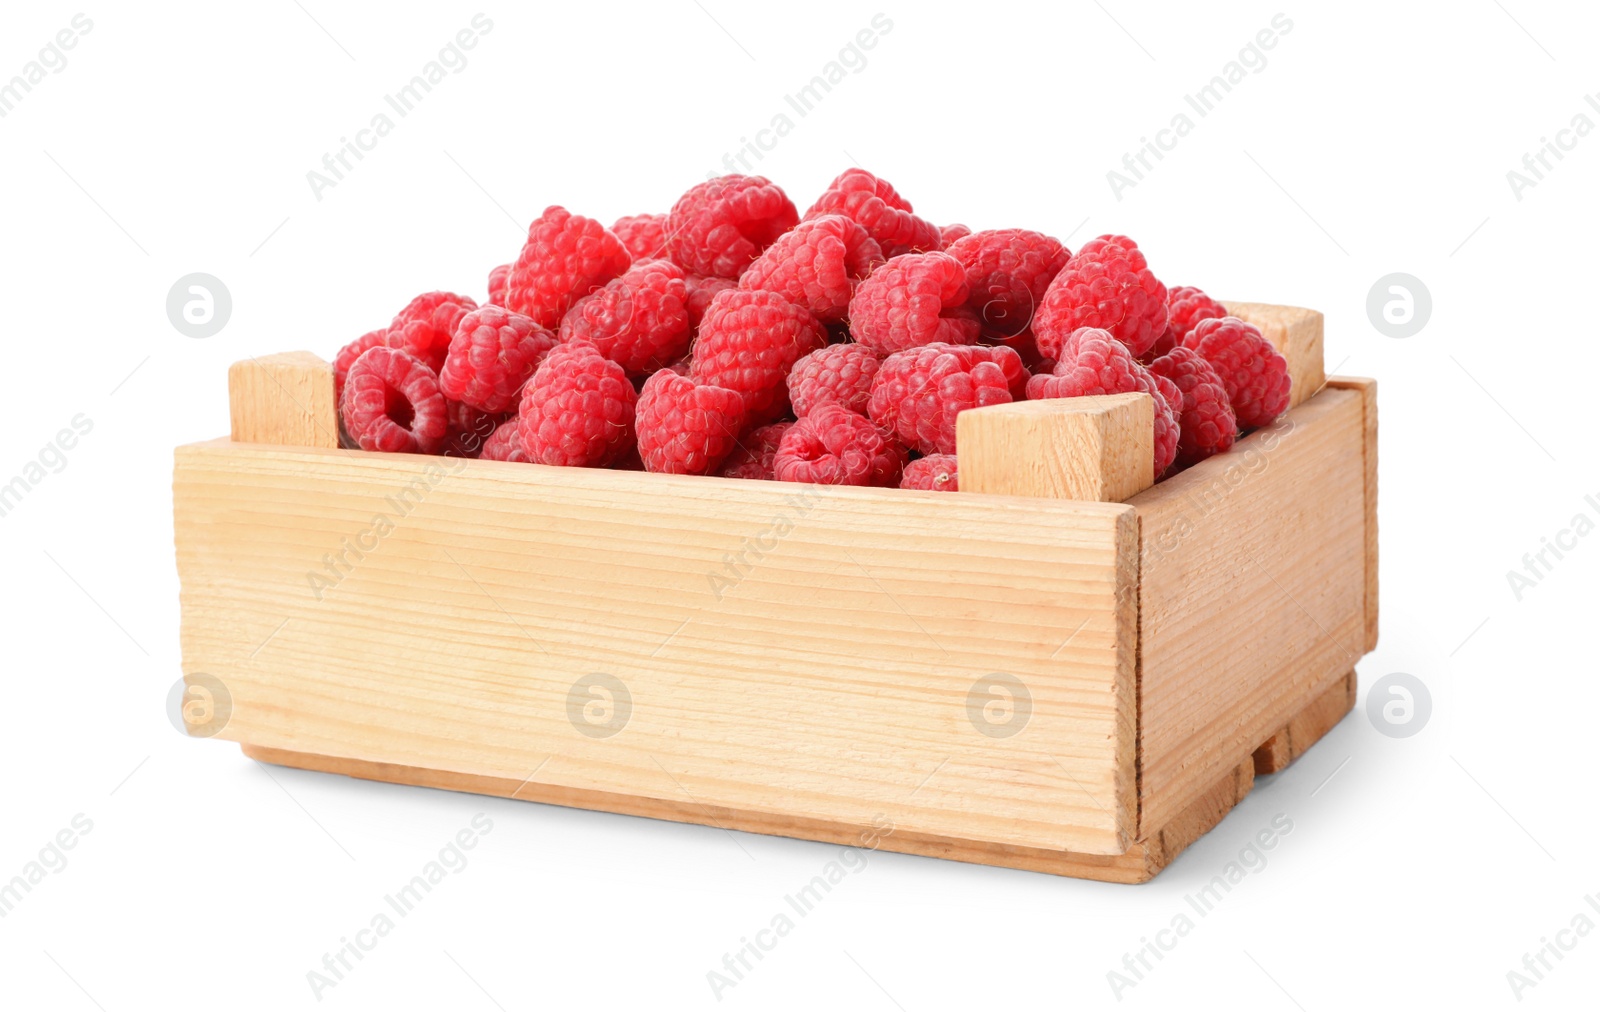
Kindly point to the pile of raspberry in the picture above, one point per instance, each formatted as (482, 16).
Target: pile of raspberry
(736, 336)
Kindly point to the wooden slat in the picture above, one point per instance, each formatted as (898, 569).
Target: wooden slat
(790, 651)
(1368, 389)
(1307, 727)
(286, 400)
(1099, 449)
(1297, 334)
(1252, 595)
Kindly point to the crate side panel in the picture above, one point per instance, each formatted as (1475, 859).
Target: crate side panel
(784, 649)
(1252, 595)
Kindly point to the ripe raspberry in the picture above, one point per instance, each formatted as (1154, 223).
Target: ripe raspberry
(816, 264)
(1187, 306)
(701, 291)
(492, 354)
(918, 393)
(349, 353)
(934, 473)
(392, 403)
(686, 427)
(833, 446)
(753, 457)
(1008, 271)
(1255, 375)
(886, 215)
(1093, 362)
(566, 257)
(645, 235)
(504, 443)
(722, 224)
(913, 300)
(950, 233)
(838, 374)
(639, 321)
(497, 284)
(577, 409)
(1107, 285)
(1205, 420)
(748, 342)
(424, 328)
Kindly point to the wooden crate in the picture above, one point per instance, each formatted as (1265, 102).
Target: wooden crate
(1059, 668)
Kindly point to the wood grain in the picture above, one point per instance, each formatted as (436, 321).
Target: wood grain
(824, 653)
(1297, 334)
(1099, 449)
(1307, 727)
(285, 399)
(1252, 595)
(1369, 400)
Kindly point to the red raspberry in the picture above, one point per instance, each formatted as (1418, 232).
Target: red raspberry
(1093, 362)
(1255, 375)
(722, 224)
(934, 473)
(645, 235)
(1105, 285)
(1187, 306)
(469, 428)
(492, 354)
(639, 321)
(748, 342)
(918, 393)
(1008, 272)
(913, 300)
(392, 403)
(424, 328)
(1206, 421)
(816, 264)
(686, 427)
(566, 257)
(577, 409)
(838, 374)
(701, 291)
(497, 284)
(504, 443)
(950, 233)
(753, 457)
(833, 446)
(349, 353)
(886, 215)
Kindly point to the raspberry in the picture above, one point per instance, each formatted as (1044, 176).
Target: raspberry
(722, 224)
(748, 342)
(577, 409)
(504, 443)
(886, 215)
(644, 235)
(816, 264)
(1093, 362)
(701, 291)
(566, 257)
(686, 427)
(392, 403)
(913, 300)
(754, 455)
(1255, 375)
(349, 353)
(838, 374)
(1187, 306)
(950, 233)
(934, 473)
(1206, 421)
(1008, 271)
(918, 393)
(492, 354)
(1106, 285)
(468, 429)
(833, 446)
(424, 328)
(497, 284)
(639, 321)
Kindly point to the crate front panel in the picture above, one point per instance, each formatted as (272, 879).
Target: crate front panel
(784, 649)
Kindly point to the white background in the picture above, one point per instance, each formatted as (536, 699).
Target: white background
(1376, 139)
